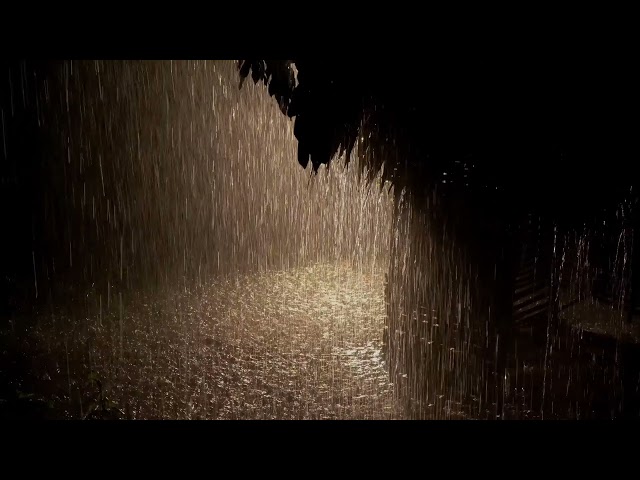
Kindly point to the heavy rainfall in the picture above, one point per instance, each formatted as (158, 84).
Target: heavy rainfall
(187, 268)
(210, 279)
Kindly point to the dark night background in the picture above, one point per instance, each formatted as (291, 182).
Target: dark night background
(549, 132)
(539, 125)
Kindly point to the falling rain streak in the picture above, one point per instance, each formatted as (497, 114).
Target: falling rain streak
(205, 275)
(186, 267)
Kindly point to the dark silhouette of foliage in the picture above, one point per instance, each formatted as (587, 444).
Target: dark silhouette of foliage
(537, 130)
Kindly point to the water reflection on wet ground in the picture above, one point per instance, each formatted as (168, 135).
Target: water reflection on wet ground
(296, 344)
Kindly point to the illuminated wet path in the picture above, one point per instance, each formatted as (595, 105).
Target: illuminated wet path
(297, 344)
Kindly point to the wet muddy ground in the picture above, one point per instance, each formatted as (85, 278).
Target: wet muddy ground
(297, 344)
